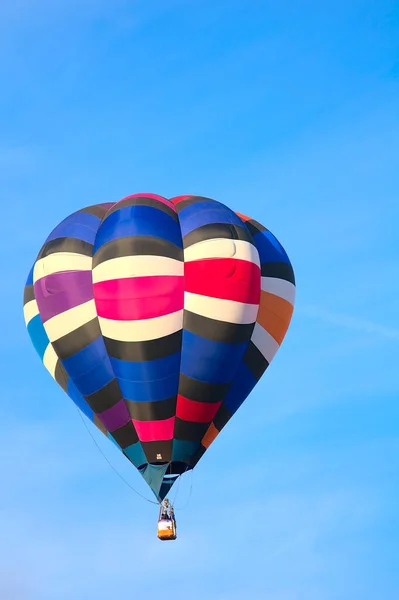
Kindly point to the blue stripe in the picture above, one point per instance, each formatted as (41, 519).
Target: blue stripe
(138, 221)
(242, 386)
(204, 213)
(269, 248)
(166, 487)
(38, 335)
(80, 402)
(29, 280)
(183, 451)
(94, 380)
(150, 391)
(83, 361)
(79, 232)
(79, 218)
(148, 370)
(148, 381)
(154, 475)
(135, 454)
(209, 361)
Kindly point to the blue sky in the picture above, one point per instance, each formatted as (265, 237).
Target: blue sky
(287, 111)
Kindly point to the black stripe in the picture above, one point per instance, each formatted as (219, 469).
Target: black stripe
(125, 436)
(198, 455)
(178, 468)
(201, 391)
(97, 210)
(143, 201)
(74, 342)
(29, 294)
(217, 331)
(162, 448)
(137, 246)
(66, 244)
(255, 361)
(255, 227)
(152, 411)
(61, 376)
(280, 270)
(222, 417)
(193, 200)
(189, 431)
(227, 231)
(105, 398)
(144, 351)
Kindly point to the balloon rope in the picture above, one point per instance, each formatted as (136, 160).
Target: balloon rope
(179, 508)
(110, 464)
(177, 488)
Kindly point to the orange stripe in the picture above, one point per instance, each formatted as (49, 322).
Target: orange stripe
(274, 315)
(210, 436)
(243, 217)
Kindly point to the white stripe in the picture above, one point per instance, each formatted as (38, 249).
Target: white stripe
(50, 360)
(142, 330)
(228, 311)
(222, 248)
(31, 310)
(137, 266)
(61, 261)
(279, 287)
(265, 343)
(71, 319)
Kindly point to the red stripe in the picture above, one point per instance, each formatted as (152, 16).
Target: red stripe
(139, 308)
(155, 431)
(129, 288)
(243, 218)
(153, 197)
(178, 199)
(226, 278)
(139, 297)
(197, 412)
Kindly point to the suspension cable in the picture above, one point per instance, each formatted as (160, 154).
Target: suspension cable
(189, 494)
(109, 462)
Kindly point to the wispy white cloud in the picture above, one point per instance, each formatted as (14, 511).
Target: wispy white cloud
(349, 322)
(76, 530)
(283, 533)
(294, 524)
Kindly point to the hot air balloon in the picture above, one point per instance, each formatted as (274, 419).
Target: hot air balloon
(158, 317)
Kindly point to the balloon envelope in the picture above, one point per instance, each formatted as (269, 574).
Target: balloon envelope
(158, 317)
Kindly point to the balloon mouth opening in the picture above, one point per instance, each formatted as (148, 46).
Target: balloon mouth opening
(174, 467)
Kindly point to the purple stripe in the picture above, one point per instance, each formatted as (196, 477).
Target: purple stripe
(115, 417)
(59, 292)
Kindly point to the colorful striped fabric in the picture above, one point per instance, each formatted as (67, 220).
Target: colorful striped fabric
(158, 317)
